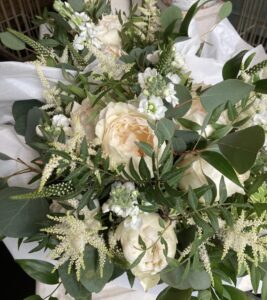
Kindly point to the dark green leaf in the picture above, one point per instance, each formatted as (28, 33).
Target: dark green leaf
(232, 90)
(235, 293)
(188, 124)
(261, 86)
(90, 277)
(20, 218)
(264, 287)
(131, 278)
(187, 19)
(241, 147)
(39, 270)
(192, 199)
(50, 43)
(222, 190)
(33, 119)
(233, 66)
(11, 42)
(20, 111)
(171, 294)
(4, 157)
(255, 278)
(146, 148)
(221, 164)
(138, 259)
(72, 285)
(257, 183)
(249, 60)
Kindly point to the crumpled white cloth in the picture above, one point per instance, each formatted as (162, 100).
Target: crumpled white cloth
(20, 81)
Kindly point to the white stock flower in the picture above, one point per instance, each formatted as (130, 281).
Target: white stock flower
(60, 121)
(170, 94)
(119, 127)
(174, 78)
(154, 260)
(143, 77)
(195, 176)
(123, 202)
(152, 106)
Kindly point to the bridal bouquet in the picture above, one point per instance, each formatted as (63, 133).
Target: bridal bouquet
(138, 169)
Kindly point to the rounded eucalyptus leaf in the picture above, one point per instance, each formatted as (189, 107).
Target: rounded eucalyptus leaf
(20, 218)
(11, 42)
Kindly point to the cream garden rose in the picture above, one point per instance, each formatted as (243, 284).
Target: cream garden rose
(154, 260)
(119, 127)
(195, 176)
(108, 30)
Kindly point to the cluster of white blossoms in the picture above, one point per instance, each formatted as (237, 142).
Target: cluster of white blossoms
(104, 35)
(123, 202)
(154, 90)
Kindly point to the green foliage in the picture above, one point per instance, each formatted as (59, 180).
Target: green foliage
(261, 86)
(90, 277)
(232, 90)
(20, 110)
(232, 67)
(185, 102)
(20, 218)
(225, 10)
(171, 294)
(72, 286)
(180, 278)
(238, 151)
(11, 42)
(188, 18)
(39, 270)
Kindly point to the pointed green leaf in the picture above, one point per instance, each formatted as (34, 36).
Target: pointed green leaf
(261, 86)
(233, 66)
(39, 270)
(11, 42)
(221, 164)
(241, 147)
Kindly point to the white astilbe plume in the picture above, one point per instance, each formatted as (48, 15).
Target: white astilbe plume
(204, 257)
(246, 234)
(109, 63)
(149, 22)
(74, 235)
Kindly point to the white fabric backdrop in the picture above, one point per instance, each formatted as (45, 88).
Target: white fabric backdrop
(20, 81)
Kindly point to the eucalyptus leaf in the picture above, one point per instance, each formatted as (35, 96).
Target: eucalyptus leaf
(72, 285)
(171, 294)
(241, 147)
(20, 111)
(90, 276)
(39, 270)
(170, 15)
(232, 90)
(20, 218)
(225, 10)
(11, 42)
(77, 5)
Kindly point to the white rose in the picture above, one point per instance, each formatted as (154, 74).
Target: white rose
(119, 127)
(154, 259)
(108, 29)
(194, 176)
